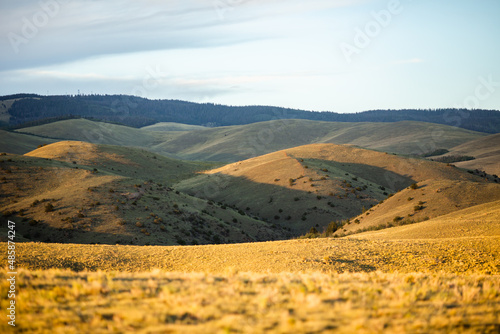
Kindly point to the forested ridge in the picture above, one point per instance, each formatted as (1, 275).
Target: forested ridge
(31, 109)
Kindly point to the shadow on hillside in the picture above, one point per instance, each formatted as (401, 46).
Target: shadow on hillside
(374, 174)
(43, 232)
(298, 209)
(350, 265)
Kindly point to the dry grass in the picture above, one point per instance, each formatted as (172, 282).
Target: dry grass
(466, 255)
(401, 281)
(59, 301)
(367, 284)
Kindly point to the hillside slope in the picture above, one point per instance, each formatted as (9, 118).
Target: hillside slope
(170, 126)
(312, 185)
(86, 193)
(241, 142)
(95, 132)
(20, 143)
(486, 152)
(477, 221)
(124, 161)
(234, 143)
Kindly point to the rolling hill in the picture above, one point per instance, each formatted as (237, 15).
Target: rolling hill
(86, 193)
(312, 185)
(486, 152)
(234, 143)
(414, 244)
(108, 194)
(95, 132)
(20, 143)
(170, 126)
(241, 142)
(478, 221)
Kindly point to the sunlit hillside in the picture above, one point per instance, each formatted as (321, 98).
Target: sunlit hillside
(86, 193)
(485, 151)
(309, 186)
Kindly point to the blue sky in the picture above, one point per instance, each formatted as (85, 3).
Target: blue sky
(337, 55)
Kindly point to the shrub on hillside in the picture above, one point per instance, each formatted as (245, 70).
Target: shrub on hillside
(49, 207)
(418, 207)
(331, 228)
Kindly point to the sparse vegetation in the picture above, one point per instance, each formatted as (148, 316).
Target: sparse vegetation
(453, 158)
(49, 207)
(439, 151)
(418, 208)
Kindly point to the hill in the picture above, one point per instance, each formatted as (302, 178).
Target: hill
(108, 194)
(474, 222)
(242, 142)
(19, 143)
(95, 132)
(485, 151)
(123, 161)
(235, 143)
(86, 193)
(312, 185)
(139, 112)
(169, 126)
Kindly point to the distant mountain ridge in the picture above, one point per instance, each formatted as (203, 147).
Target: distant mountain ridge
(139, 112)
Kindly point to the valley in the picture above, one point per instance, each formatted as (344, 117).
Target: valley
(264, 227)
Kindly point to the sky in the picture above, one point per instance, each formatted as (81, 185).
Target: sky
(324, 55)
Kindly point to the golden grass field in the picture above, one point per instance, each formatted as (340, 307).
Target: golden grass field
(400, 282)
(61, 301)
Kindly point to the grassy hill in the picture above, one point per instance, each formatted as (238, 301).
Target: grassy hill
(234, 143)
(240, 142)
(312, 185)
(95, 132)
(108, 194)
(170, 126)
(19, 143)
(124, 161)
(474, 222)
(275, 196)
(486, 152)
